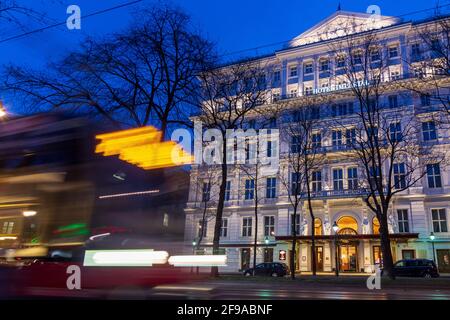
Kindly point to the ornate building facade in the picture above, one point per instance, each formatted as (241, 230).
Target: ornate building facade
(307, 69)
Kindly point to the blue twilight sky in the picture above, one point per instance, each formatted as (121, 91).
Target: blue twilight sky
(234, 25)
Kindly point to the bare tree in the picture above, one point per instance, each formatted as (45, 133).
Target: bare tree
(227, 96)
(385, 141)
(303, 158)
(430, 65)
(141, 76)
(260, 147)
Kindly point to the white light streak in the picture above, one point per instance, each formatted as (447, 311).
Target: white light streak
(199, 261)
(138, 193)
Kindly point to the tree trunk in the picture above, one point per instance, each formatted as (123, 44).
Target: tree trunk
(220, 205)
(294, 242)
(256, 237)
(388, 263)
(313, 236)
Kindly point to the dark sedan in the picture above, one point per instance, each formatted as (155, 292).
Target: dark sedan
(270, 269)
(416, 268)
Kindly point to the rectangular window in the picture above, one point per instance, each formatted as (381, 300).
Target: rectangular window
(352, 176)
(269, 226)
(395, 132)
(308, 90)
(308, 68)
(393, 52)
(395, 75)
(439, 218)
(429, 130)
(375, 55)
(336, 137)
(340, 62)
(316, 181)
(415, 50)
(403, 221)
(206, 192)
(295, 183)
(399, 176)
(425, 100)
(293, 72)
(228, 191)
(271, 188)
(357, 58)
(8, 227)
(338, 179)
(224, 227)
(316, 139)
(247, 227)
(249, 189)
(375, 175)
(350, 137)
(295, 144)
(393, 101)
(434, 175)
(324, 65)
(296, 224)
(276, 76)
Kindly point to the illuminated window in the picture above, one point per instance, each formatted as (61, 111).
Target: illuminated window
(347, 225)
(166, 220)
(317, 227)
(375, 226)
(8, 227)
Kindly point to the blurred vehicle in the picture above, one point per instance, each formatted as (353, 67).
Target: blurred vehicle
(416, 268)
(50, 277)
(270, 269)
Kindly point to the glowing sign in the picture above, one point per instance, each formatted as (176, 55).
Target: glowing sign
(143, 147)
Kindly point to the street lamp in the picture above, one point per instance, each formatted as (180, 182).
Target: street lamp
(266, 240)
(432, 237)
(3, 112)
(29, 213)
(335, 229)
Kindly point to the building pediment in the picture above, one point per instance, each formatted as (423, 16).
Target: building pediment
(342, 23)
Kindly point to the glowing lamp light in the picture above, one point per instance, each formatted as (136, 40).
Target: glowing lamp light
(124, 258)
(2, 113)
(29, 213)
(432, 236)
(335, 227)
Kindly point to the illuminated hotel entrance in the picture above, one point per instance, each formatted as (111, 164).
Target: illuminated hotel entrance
(348, 258)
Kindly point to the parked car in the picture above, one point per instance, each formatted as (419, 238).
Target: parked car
(416, 268)
(271, 269)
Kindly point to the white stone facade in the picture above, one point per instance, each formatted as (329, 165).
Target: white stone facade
(411, 219)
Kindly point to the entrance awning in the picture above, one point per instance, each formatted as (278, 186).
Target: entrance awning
(392, 236)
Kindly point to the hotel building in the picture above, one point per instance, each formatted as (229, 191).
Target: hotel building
(303, 70)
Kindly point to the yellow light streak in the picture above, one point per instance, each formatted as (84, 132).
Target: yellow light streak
(143, 147)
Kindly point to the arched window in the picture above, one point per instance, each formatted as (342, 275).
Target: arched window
(317, 227)
(348, 224)
(375, 226)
